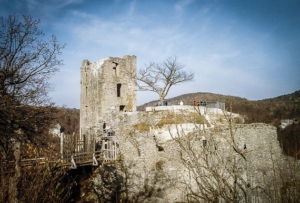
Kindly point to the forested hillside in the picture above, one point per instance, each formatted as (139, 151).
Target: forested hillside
(68, 119)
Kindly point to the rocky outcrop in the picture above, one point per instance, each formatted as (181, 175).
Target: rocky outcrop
(153, 169)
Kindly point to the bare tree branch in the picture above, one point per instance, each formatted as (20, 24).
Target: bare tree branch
(159, 78)
(27, 61)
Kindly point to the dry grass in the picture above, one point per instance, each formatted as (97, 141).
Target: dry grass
(142, 127)
(173, 118)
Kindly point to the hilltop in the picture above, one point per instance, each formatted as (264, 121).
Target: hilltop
(271, 111)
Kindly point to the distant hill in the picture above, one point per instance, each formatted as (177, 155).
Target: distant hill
(271, 111)
(188, 99)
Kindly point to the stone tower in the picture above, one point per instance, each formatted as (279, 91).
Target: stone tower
(106, 88)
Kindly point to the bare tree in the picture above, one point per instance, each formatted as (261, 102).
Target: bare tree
(27, 61)
(159, 78)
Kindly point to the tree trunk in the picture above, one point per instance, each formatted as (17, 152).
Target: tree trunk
(13, 181)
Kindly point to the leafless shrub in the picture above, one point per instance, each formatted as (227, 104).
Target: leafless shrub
(218, 169)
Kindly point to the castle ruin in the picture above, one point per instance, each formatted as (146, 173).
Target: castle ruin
(174, 160)
(106, 87)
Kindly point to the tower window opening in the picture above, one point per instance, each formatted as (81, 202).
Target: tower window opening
(122, 107)
(114, 65)
(119, 89)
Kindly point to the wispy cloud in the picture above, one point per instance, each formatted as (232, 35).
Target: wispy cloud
(181, 5)
(131, 7)
(231, 48)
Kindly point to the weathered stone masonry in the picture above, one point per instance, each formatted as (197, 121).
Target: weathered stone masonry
(109, 94)
(106, 88)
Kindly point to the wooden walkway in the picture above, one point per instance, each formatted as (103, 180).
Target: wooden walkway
(73, 154)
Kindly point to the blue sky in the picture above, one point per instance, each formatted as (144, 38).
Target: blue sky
(241, 48)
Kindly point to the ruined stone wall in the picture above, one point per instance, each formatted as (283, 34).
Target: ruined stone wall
(164, 171)
(106, 88)
(153, 162)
